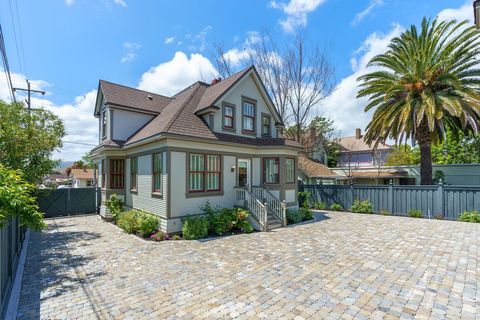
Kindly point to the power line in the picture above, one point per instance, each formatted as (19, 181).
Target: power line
(6, 67)
(29, 92)
(21, 39)
(81, 143)
(15, 37)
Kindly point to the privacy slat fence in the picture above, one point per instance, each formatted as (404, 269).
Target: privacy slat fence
(70, 201)
(11, 241)
(449, 201)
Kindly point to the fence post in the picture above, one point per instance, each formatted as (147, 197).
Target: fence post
(390, 196)
(440, 196)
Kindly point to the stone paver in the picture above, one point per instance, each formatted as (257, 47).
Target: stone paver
(346, 266)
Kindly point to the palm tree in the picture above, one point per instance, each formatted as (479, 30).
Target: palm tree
(428, 81)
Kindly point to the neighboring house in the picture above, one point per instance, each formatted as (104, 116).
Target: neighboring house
(312, 171)
(82, 178)
(354, 151)
(215, 142)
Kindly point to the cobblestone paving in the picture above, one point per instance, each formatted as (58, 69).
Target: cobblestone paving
(346, 266)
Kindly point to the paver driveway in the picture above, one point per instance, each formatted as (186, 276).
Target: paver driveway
(345, 266)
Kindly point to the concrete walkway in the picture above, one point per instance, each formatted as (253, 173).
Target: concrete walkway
(343, 266)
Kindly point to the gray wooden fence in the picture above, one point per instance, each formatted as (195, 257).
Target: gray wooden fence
(11, 242)
(449, 201)
(69, 201)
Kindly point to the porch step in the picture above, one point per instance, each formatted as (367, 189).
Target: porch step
(273, 226)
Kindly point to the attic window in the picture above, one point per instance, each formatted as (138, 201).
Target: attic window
(150, 97)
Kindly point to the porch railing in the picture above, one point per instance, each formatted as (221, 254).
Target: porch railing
(277, 207)
(258, 210)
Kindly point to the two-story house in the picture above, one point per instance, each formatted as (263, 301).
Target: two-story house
(218, 142)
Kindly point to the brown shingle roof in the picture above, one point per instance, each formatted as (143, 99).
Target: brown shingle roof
(313, 169)
(214, 92)
(133, 98)
(178, 116)
(82, 173)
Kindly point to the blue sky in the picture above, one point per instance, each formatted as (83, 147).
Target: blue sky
(162, 46)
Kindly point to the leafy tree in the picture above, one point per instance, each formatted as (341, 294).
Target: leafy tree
(27, 140)
(457, 148)
(16, 200)
(428, 82)
(403, 155)
(318, 133)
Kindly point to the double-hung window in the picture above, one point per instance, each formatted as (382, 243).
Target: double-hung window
(248, 109)
(266, 125)
(117, 173)
(157, 172)
(204, 173)
(228, 117)
(271, 170)
(104, 123)
(290, 170)
(103, 173)
(133, 173)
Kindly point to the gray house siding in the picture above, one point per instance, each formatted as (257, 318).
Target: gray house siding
(143, 198)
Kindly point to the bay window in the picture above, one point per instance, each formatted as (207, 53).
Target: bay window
(117, 173)
(290, 170)
(271, 170)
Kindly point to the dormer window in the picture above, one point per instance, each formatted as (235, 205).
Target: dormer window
(228, 116)
(248, 111)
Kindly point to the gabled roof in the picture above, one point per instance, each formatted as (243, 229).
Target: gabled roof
(82, 173)
(177, 115)
(131, 98)
(314, 169)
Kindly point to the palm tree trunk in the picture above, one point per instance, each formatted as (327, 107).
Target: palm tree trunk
(424, 138)
(426, 163)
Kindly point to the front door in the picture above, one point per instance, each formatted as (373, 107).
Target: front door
(243, 173)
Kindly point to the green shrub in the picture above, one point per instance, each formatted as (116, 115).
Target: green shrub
(414, 213)
(319, 205)
(336, 207)
(147, 224)
(223, 221)
(439, 216)
(299, 215)
(384, 212)
(195, 228)
(362, 206)
(129, 221)
(294, 216)
(115, 206)
(176, 237)
(304, 199)
(470, 216)
(245, 226)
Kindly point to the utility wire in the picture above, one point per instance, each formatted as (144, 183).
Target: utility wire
(6, 68)
(81, 143)
(21, 38)
(15, 37)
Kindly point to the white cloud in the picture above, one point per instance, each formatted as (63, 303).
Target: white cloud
(297, 12)
(172, 76)
(236, 56)
(80, 124)
(465, 12)
(131, 53)
(120, 3)
(169, 40)
(342, 105)
(69, 2)
(367, 11)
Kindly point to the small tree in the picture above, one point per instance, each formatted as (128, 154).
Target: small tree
(16, 200)
(27, 140)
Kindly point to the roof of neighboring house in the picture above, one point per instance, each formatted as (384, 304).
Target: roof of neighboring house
(314, 169)
(177, 115)
(82, 173)
(382, 174)
(357, 143)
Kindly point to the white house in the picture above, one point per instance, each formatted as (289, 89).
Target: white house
(219, 142)
(82, 178)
